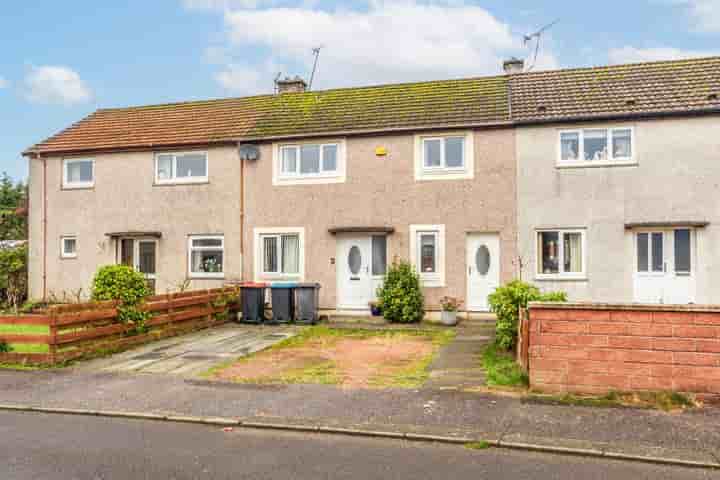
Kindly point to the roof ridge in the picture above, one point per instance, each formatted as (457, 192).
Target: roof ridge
(620, 65)
(297, 94)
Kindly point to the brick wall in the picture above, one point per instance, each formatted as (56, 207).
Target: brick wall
(596, 348)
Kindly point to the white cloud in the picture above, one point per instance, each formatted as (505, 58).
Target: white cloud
(56, 84)
(4, 83)
(705, 14)
(248, 79)
(630, 54)
(387, 42)
(223, 4)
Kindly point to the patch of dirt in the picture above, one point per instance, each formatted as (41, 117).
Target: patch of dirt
(357, 362)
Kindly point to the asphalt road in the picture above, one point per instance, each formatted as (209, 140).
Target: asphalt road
(41, 446)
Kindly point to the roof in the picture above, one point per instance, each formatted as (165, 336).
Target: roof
(447, 103)
(642, 89)
(680, 86)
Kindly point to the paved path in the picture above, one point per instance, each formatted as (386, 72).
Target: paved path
(53, 446)
(193, 354)
(458, 365)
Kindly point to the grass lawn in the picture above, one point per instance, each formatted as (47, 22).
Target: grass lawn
(501, 368)
(25, 330)
(349, 357)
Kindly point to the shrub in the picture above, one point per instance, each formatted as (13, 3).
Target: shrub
(400, 297)
(506, 303)
(127, 286)
(13, 276)
(5, 347)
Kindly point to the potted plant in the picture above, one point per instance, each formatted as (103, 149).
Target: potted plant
(375, 309)
(450, 307)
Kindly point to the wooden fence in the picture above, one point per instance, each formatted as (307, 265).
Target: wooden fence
(80, 330)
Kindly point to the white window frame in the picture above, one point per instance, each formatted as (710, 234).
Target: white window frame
(64, 253)
(192, 249)
(173, 180)
(611, 161)
(467, 171)
(323, 176)
(437, 278)
(67, 184)
(259, 234)
(582, 275)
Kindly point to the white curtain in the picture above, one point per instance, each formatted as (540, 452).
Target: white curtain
(573, 252)
(291, 254)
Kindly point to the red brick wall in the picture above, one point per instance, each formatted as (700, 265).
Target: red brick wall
(598, 348)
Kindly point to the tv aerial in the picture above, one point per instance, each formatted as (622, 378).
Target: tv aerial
(316, 52)
(536, 37)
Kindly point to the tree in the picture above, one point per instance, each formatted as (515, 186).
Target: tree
(12, 197)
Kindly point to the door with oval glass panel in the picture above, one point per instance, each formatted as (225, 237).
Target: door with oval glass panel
(361, 263)
(482, 269)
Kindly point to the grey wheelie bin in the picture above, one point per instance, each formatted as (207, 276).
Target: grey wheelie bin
(307, 297)
(253, 302)
(283, 302)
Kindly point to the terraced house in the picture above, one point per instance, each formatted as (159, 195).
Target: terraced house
(597, 181)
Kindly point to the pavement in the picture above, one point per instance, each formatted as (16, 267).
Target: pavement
(110, 448)
(440, 409)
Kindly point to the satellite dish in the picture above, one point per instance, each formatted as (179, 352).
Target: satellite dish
(249, 152)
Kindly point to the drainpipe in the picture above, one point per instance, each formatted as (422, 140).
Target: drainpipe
(44, 227)
(242, 218)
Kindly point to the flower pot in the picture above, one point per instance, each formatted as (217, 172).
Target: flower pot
(376, 311)
(448, 318)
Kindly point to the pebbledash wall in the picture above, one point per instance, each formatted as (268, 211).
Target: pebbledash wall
(597, 348)
(382, 190)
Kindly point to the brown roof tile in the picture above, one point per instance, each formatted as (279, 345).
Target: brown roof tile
(642, 88)
(413, 105)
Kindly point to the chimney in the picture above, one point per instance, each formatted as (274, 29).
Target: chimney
(291, 85)
(513, 66)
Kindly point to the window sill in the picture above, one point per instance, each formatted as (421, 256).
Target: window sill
(74, 257)
(590, 164)
(444, 174)
(176, 184)
(560, 278)
(309, 180)
(195, 276)
(79, 187)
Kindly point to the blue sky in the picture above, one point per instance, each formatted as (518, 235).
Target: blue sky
(62, 60)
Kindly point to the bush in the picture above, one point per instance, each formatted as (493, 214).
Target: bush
(13, 276)
(400, 297)
(124, 284)
(5, 347)
(506, 303)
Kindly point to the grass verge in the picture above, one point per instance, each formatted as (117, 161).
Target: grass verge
(666, 401)
(24, 329)
(501, 368)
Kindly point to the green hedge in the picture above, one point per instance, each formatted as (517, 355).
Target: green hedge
(506, 303)
(126, 285)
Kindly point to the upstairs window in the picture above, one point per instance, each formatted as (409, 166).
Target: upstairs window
(309, 160)
(596, 146)
(79, 173)
(444, 157)
(181, 167)
(447, 153)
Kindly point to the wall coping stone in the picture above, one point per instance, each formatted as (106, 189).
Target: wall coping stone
(624, 306)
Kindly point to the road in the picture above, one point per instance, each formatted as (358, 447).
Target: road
(41, 446)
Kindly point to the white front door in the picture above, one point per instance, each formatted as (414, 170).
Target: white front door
(361, 262)
(664, 266)
(483, 269)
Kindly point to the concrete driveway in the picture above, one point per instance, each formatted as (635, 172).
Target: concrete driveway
(193, 354)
